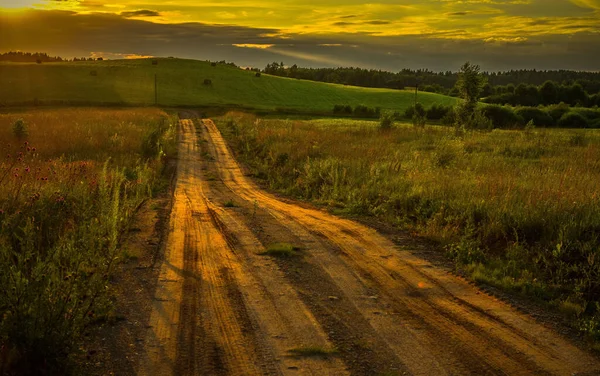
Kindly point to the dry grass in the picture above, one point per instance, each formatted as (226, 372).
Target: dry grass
(67, 193)
(520, 210)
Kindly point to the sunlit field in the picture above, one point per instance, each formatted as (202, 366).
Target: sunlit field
(183, 83)
(515, 209)
(70, 180)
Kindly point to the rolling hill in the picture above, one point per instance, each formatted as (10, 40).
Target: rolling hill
(182, 83)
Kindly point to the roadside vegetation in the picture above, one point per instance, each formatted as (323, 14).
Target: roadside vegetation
(70, 181)
(514, 209)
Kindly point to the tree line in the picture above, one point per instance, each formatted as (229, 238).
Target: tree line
(516, 87)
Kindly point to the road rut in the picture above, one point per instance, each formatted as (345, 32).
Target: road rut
(368, 306)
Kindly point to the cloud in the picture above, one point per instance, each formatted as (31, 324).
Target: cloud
(458, 13)
(140, 13)
(514, 42)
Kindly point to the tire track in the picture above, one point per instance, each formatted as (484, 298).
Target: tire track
(213, 314)
(435, 323)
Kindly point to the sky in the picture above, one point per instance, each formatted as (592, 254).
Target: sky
(438, 35)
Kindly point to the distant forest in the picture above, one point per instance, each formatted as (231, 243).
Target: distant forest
(516, 87)
(36, 57)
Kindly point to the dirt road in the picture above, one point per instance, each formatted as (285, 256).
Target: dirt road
(350, 302)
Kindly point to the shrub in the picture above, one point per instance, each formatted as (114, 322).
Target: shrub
(386, 121)
(213, 64)
(364, 111)
(207, 81)
(258, 74)
(558, 111)
(595, 124)
(415, 109)
(579, 139)
(538, 116)
(437, 111)
(501, 117)
(573, 120)
(154, 62)
(20, 129)
(588, 113)
(450, 118)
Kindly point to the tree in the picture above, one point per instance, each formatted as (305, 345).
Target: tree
(549, 92)
(470, 83)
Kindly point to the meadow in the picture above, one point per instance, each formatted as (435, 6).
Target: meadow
(519, 210)
(181, 83)
(70, 181)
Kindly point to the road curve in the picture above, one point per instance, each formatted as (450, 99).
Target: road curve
(221, 308)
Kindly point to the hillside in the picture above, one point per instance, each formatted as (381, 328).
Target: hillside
(181, 83)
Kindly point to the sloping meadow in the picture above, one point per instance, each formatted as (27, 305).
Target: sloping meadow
(516, 209)
(70, 180)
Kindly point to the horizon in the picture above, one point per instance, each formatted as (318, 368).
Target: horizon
(437, 35)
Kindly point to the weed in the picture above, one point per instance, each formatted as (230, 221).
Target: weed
(230, 204)
(313, 351)
(20, 129)
(281, 250)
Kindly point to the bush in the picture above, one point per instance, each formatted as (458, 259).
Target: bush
(415, 109)
(258, 74)
(558, 111)
(450, 118)
(342, 109)
(207, 81)
(573, 120)
(386, 121)
(588, 113)
(364, 111)
(539, 117)
(20, 129)
(502, 117)
(438, 112)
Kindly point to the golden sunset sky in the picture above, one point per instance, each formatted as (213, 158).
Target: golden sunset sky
(387, 34)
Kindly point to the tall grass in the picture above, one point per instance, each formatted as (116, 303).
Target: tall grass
(520, 210)
(66, 195)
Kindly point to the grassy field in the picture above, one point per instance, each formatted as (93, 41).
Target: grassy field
(516, 209)
(69, 185)
(181, 83)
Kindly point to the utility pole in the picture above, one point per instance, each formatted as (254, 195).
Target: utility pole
(416, 92)
(155, 90)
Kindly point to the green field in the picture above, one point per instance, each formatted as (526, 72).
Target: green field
(181, 83)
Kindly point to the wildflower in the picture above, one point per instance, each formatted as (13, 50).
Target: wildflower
(7, 156)
(16, 175)
(27, 169)
(26, 143)
(28, 148)
(1, 211)
(32, 149)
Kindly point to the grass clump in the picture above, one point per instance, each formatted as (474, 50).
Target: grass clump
(313, 351)
(281, 250)
(230, 204)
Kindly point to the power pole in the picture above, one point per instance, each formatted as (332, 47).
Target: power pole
(416, 92)
(155, 90)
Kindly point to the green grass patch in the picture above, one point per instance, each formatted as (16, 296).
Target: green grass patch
(313, 351)
(230, 204)
(181, 83)
(281, 250)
